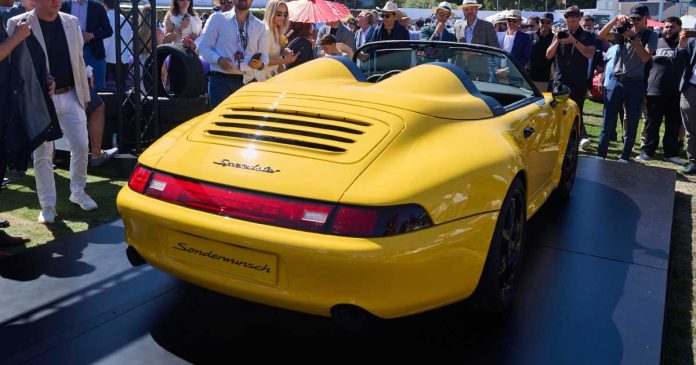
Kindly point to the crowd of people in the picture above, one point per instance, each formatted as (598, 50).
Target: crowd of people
(46, 47)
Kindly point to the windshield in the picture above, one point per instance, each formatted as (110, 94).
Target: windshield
(491, 71)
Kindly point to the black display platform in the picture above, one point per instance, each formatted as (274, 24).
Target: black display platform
(592, 291)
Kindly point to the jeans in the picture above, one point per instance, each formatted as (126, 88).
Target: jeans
(630, 94)
(73, 123)
(687, 105)
(98, 66)
(219, 88)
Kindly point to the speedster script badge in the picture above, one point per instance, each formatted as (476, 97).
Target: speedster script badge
(237, 165)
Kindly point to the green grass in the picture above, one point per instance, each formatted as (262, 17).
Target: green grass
(20, 205)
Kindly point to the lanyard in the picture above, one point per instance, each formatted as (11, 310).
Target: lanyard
(243, 32)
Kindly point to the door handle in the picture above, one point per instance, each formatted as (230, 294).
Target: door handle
(528, 131)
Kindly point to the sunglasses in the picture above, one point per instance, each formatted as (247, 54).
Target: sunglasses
(280, 13)
(513, 20)
(545, 22)
(387, 15)
(444, 15)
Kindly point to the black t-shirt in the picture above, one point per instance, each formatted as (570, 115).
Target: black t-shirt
(4, 80)
(539, 65)
(664, 76)
(571, 65)
(58, 53)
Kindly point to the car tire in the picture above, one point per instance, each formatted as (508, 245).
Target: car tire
(569, 167)
(496, 287)
(185, 74)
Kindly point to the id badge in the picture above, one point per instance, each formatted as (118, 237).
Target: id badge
(239, 57)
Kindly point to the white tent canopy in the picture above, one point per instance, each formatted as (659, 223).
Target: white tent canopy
(688, 21)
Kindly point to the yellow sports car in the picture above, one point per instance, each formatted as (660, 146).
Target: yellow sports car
(385, 186)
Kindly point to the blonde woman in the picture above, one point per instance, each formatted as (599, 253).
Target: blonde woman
(181, 23)
(276, 19)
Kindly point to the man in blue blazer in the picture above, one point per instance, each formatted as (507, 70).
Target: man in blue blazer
(519, 44)
(438, 30)
(95, 28)
(685, 57)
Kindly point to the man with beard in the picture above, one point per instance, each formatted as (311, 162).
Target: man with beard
(473, 30)
(235, 46)
(539, 68)
(663, 97)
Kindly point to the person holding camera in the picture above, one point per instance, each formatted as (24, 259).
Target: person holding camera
(572, 47)
(685, 57)
(636, 44)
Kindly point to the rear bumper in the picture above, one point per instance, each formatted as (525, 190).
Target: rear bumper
(389, 277)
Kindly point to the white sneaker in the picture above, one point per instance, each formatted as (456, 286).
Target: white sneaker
(675, 160)
(84, 201)
(584, 142)
(644, 156)
(47, 215)
(622, 160)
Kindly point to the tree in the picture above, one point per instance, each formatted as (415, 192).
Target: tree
(421, 4)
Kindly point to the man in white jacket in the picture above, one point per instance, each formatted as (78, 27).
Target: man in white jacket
(60, 36)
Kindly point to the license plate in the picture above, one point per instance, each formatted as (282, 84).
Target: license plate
(222, 257)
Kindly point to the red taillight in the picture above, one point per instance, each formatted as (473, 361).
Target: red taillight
(352, 221)
(379, 221)
(284, 212)
(293, 213)
(139, 178)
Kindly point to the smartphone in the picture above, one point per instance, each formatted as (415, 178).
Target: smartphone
(691, 33)
(256, 56)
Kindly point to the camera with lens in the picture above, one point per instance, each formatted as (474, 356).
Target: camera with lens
(561, 31)
(622, 28)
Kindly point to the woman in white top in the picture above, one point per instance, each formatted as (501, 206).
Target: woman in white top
(181, 23)
(276, 19)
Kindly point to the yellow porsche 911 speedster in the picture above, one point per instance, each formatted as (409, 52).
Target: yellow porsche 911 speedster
(388, 185)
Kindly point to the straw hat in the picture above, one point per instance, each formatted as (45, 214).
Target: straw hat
(392, 8)
(468, 3)
(444, 6)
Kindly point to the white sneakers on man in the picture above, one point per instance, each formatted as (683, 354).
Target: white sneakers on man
(584, 143)
(84, 201)
(47, 215)
(675, 160)
(644, 156)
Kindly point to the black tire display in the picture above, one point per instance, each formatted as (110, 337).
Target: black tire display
(495, 289)
(186, 78)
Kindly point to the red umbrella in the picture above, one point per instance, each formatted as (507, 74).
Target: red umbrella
(654, 24)
(316, 11)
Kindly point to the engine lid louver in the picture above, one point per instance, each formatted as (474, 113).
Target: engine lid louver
(322, 134)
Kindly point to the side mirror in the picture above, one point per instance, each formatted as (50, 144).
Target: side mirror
(560, 94)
